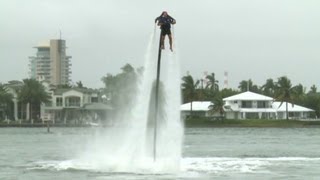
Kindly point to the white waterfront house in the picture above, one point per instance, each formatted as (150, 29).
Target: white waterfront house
(249, 105)
(295, 111)
(79, 105)
(199, 108)
(75, 104)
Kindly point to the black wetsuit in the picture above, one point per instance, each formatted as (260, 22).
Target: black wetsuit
(165, 24)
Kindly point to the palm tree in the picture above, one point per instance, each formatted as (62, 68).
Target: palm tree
(248, 86)
(298, 93)
(313, 89)
(4, 95)
(284, 92)
(213, 83)
(5, 98)
(33, 92)
(79, 84)
(268, 88)
(189, 89)
(212, 87)
(217, 106)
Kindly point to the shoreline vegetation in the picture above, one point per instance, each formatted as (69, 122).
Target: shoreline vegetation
(38, 125)
(254, 123)
(195, 122)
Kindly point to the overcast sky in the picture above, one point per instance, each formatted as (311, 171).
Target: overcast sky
(255, 39)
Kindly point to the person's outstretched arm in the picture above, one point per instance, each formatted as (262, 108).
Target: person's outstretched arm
(173, 21)
(157, 19)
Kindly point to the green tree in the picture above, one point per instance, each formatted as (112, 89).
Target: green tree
(312, 101)
(213, 84)
(79, 84)
(268, 88)
(298, 92)
(110, 84)
(189, 89)
(227, 92)
(121, 88)
(127, 69)
(5, 99)
(33, 92)
(64, 86)
(284, 92)
(313, 89)
(248, 86)
(217, 106)
(212, 87)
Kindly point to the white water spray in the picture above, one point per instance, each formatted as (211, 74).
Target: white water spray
(127, 146)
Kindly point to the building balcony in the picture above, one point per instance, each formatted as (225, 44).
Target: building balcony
(47, 61)
(44, 67)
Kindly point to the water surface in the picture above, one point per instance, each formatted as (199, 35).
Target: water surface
(208, 153)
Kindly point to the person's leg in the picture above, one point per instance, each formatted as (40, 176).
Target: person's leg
(162, 41)
(170, 41)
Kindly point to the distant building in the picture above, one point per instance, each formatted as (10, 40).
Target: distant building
(51, 64)
(76, 104)
(249, 105)
(295, 111)
(199, 108)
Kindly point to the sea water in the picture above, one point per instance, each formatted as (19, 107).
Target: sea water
(208, 153)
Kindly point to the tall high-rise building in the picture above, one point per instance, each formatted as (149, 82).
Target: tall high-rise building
(51, 63)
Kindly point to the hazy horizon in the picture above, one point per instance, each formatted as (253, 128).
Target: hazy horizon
(250, 39)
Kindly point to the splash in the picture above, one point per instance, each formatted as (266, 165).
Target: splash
(128, 145)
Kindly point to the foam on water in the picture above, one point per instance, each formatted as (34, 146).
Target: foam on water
(189, 166)
(240, 165)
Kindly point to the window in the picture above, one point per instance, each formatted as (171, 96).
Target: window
(246, 104)
(94, 99)
(262, 104)
(59, 101)
(72, 101)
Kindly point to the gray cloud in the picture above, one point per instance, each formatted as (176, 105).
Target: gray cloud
(255, 39)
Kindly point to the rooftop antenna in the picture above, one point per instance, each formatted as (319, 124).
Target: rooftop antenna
(205, 79)
(60, 34)
(225, 82)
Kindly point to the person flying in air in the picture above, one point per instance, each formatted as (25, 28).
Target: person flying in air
(165, 21)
